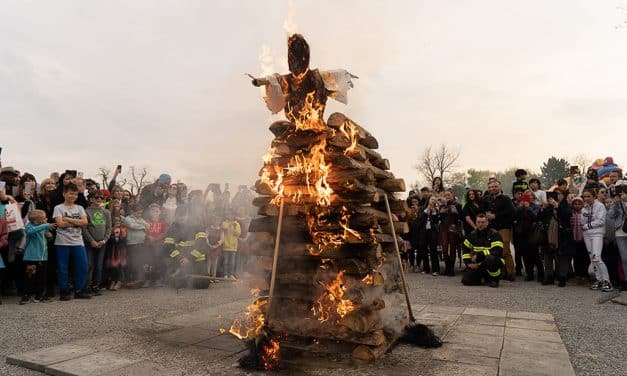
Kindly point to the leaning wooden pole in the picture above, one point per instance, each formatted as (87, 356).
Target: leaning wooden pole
(400, 262)
(275, 257)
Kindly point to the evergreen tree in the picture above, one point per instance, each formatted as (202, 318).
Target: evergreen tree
(552, 170)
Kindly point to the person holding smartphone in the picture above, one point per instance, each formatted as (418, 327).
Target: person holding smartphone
(593, 225)
(618, 214)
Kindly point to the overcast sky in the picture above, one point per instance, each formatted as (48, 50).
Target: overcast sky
(160, 84)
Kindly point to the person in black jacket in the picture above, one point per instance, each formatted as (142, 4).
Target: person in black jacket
(450, 230)
(481, 252)
(427, 223)
(500, 211)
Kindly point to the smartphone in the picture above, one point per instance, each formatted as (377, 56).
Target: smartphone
(119, 168)
(525, 198)
(552, 195)
(28, 187)
(3, 185)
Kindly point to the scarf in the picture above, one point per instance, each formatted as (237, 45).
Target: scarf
(575, 222)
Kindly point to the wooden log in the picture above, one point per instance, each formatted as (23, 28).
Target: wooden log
(358, 154)
(336, 120)
(392, 185)
(266, 238)
(280, 127)
(282, 148)
(380, 216)
(320, 330)
(268, 224)
(361, 321)
(352, 266)
(301, 139)
(370, 353)
(289, 209)
(343, 161)
(260, 201)
(383, 164)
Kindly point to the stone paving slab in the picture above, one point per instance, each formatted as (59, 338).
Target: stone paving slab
(453, 352)
(531, 316)
(485, 312)
(481, 320)
(438, 368)
(536, 335)
(488, 343)
(531, 324)
(524, 364)
(39, 359)
(490, 330)
(527, 346)
(436, 318)
(94, 364)
(444, 309)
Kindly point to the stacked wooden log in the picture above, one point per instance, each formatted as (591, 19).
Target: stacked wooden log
(346, 243)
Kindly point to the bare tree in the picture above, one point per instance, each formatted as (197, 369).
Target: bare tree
(104, 174)
(582, 160)
(437, 162)
(138, 179)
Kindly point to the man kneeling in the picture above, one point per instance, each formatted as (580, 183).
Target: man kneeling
(482, 252)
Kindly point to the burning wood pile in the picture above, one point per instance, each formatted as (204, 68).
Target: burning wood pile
(327, 241)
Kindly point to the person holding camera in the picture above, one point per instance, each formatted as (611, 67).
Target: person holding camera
(450, 230)
(593, 225)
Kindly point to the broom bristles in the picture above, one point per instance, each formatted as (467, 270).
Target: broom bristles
(420, 335)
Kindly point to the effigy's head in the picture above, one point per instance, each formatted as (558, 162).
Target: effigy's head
(297, 54)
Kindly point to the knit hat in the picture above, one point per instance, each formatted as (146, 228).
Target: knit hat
(165, 178)
(577, 199)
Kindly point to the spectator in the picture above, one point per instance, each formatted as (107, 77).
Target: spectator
(215, 239)
(95, 235)
(482, 251)
(525, 213)
(116, 256)
(499, 211)
(170, 204)
(470, 211)
(154, 242)
(155, 193)
(521, 181)
(4, 241)
(450, 229)
(36, 257)
(45, 202)
(593, 225)
(428, 223)
(232, 232)
(617, 217)
(136, 228)
(436, 186)
(70, 218)
(539, 196)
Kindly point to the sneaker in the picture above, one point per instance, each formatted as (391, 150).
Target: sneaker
(233, 278)
(494, 284)
(96, 291)
(65, 297)
(24, 300)
(606, 286)
(596, 285)
(82, 295)
(117, 285)
(44, 299)
(435, 274)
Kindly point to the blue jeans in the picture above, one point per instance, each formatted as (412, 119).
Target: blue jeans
(95, 259)
(79, 256)
(229, 263)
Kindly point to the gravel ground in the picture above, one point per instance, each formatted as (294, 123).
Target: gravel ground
(593, 333)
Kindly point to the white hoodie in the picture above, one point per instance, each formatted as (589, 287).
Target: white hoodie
(593, 219)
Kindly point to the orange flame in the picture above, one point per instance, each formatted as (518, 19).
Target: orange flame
(270, 354)
(368, 279)
(254, 319)
(331, 302)
(352, 133)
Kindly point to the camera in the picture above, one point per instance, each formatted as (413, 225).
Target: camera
(618, 189)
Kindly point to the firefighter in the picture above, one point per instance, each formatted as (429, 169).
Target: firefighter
(482, 252)
(185, 247)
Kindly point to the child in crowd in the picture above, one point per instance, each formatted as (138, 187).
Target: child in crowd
(116, 256)
(96, 234)
(232, 231)
(154, 242)
(136, 228)
(215, 238)
(36, 256)
(70, 218)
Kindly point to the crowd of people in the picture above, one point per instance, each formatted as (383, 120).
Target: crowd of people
(556, 234)
(68, 235)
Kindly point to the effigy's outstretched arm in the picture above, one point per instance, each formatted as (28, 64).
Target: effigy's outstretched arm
(274, 98)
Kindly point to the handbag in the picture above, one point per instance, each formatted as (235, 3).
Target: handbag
(13, 217)
(537, 234)
(553, 233)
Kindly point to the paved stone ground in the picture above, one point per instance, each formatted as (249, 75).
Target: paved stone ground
(162, 332)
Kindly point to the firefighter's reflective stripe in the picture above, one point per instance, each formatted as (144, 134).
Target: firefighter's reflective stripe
(200, 235)
(201, 258)
(495, 274)
(168, 241)
(496, 244)
(467, 243)
(196, 254)
(175, 253)
(484, 250)
(187, 243)
(466, 256)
